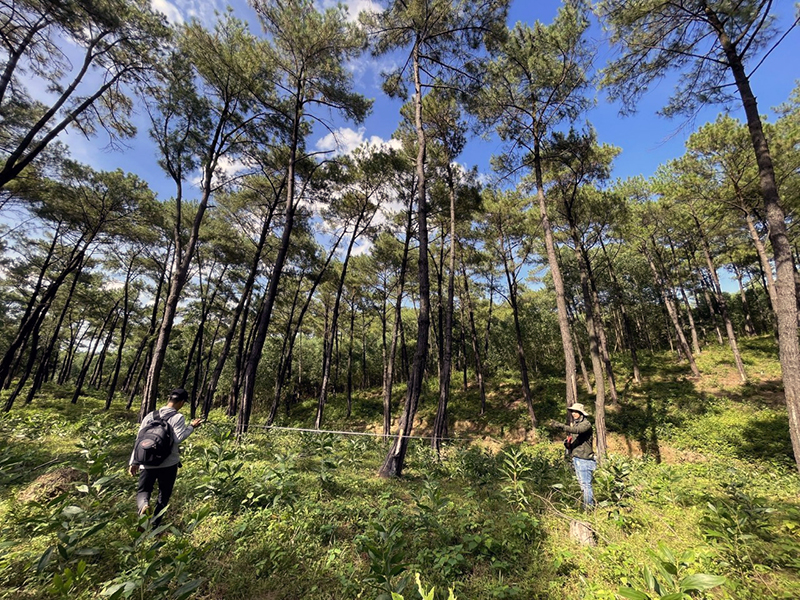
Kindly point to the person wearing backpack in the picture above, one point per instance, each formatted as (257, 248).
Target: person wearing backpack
(156, 453)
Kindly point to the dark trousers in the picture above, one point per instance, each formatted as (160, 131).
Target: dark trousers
(165, 476)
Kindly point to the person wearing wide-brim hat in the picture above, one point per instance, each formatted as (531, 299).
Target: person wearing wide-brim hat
(580, 448)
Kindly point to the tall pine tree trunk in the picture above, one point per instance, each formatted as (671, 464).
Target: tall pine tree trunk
(523, 365)
(440, 422)
(48, 359)
(595, 353)
(210, 387)
(672, 312)
(327, 355)
(476, 349)
(749, 328)
(90, 355)
(123, 335)
(558, 281)
(397, 327)
(785, 288)
(722, 302)
(39, 310)
(630, 340)
(395, 460)
(349, 388)
(265, 313)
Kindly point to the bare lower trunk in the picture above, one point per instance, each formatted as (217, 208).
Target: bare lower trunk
(440, 423)
(292, 331)
(48, 359)
(328, 354)
(37, 313)
(474, 335)
(265, 314)
(601, 336)
(523, 364)
(692, 328)
(123, 336)
(630, 340)
(723, 303)
(582, 363)
(749, 327)
(243, 342)
(349, 388)
(34, 351)
(558, 284)
(90, 355)
(673, 315)
(395, 459)
(96, 380)
(180, 272)
(489, 315)
(763, 259)
(785, 288)
(595, 352)
(397, 327)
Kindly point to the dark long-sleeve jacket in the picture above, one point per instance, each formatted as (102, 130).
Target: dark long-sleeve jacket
(581, 433)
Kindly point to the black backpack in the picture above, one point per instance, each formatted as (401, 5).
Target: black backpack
(154, 442)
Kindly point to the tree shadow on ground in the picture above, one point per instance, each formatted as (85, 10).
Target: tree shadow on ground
(765, 437)
(655, 405)
(762, 394)
(25, 462)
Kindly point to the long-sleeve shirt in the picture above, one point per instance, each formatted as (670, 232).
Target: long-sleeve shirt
(581, 432)
(180, 431)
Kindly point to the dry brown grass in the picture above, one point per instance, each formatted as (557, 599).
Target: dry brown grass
(48, 486)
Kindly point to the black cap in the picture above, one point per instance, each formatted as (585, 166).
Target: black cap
(179, 395)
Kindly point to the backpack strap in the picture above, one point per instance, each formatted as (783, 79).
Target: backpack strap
(159, 415)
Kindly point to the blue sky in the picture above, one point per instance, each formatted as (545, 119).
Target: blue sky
(646, 139)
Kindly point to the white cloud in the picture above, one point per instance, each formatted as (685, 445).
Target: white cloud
(227, 168)
(179, 11)
(113, 284)
(362, 246)
(230, 166)
(344, 140)
(169, 10)
(353, 6)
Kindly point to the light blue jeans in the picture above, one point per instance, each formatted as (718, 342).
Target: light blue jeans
(584, 469)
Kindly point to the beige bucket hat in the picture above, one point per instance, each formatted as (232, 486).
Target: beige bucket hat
(579, 408)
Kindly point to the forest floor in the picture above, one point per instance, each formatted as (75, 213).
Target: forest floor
(699, 496)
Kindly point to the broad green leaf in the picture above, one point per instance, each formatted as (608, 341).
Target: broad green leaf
(112, 589)
(102, 481)
(71, 512)
(632, 594)
(649, 580)
(666, 553)
(187, 588)
(44, 560)
(701, 582)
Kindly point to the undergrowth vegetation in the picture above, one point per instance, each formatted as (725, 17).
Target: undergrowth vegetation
(698, 499)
